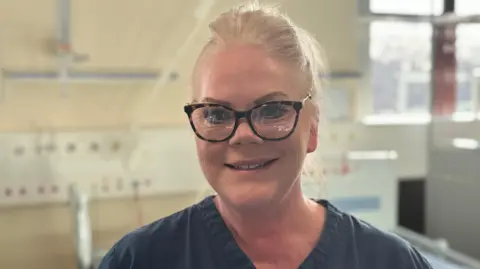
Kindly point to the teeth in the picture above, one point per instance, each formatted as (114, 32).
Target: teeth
(249, 166)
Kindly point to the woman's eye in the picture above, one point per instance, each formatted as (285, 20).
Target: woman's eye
(217, 115)
(273, 111)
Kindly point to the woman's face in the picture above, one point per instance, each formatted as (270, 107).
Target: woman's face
(241, 77)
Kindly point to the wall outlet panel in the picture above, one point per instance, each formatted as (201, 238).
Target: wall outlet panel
(40, 168)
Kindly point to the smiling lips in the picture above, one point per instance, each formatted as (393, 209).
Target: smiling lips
(250, 165)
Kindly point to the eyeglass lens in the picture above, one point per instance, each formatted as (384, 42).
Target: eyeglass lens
(270, 121)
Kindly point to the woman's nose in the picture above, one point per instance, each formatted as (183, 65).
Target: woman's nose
(244, 134)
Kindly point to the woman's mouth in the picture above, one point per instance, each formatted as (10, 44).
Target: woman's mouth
(250, 165)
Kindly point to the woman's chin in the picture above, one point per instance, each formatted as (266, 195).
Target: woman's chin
(248, 199)
(252, 193)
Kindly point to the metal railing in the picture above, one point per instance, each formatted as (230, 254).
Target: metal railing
(438, 248)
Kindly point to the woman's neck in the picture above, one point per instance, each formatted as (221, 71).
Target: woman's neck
(293, 216)
(276, 236)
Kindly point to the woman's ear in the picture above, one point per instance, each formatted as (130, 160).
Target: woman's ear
(313, 137)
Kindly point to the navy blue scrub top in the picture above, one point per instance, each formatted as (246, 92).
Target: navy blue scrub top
(197, 238)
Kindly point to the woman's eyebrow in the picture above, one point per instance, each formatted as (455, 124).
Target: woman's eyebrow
(260, 100)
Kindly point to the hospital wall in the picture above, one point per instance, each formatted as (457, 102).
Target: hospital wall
(41, 236)
(26, 229)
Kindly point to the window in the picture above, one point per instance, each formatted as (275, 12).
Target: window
(407, 7)
(467, 7)
(468, 64)
(416, 97)
(464, 97)
(400, 57)
(422, 7)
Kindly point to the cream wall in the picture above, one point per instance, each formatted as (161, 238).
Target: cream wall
(42, 237)
(126, 36)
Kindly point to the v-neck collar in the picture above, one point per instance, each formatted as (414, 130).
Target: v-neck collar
(231, 255)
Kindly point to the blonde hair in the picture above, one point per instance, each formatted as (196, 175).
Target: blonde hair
(266, 26)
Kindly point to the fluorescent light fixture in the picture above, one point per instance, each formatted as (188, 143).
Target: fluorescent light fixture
(465, 143)
(398, 119)
(415, 119)
(463, 117)
(373, 155)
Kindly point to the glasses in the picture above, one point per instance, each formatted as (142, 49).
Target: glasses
(274, 120)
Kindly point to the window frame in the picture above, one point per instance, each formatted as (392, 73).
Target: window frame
(406, 117)
(402, 90)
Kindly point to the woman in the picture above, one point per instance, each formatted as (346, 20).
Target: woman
(255, 118)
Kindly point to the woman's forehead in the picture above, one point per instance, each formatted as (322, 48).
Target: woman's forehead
(274, 95)
(243, 73)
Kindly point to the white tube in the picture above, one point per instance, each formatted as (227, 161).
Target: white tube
(83, 230)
